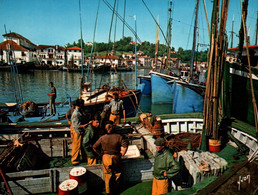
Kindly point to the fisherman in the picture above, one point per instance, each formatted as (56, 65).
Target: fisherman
(90, 137)
(77, 132)
(111, 144)
(68, 115)
(52, 98)
(165, 168)
(117, 108)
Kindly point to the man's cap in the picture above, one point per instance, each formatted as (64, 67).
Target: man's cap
(160, 141)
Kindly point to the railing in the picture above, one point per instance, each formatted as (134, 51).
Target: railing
(195, 125)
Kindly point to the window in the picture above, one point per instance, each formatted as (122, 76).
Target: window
(23, 53)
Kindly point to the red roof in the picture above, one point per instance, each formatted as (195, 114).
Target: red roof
(57, 47)
(74, 48)
(143, 57)
(16, 35)
(250, 46)
(109, 57)
(12, 46)
(128, 54)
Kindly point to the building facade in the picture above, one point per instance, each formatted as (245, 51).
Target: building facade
(74, 55)
(18, 48)
(50, 55)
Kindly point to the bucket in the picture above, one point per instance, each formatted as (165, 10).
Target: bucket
(68, 187)
(79, 174)
(214, 145)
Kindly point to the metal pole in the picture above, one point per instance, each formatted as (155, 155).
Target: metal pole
(135, 52)
(194, 38)
(81, 36)
(232, 32)
(123, 34)
(256, 35)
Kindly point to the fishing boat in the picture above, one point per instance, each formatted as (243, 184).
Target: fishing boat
(94, 101)
(184, 96)
(100, 67)
(238, 82)
(55, 143)
(182, 92)
(122, 68)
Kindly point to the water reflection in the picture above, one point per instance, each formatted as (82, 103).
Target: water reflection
(35, 86)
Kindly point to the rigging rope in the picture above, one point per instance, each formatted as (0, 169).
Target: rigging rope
(14, 71)
(93, 41)
(190, 30)
(123, 20)
(123, 35)
(156, 23)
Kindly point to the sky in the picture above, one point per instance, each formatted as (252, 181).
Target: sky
(57, 22)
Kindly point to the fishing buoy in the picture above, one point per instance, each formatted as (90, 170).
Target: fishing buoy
(79, 174)
(68, 187)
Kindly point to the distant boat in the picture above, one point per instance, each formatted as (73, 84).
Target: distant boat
(121, 69)
(100, 67)
(22, 67)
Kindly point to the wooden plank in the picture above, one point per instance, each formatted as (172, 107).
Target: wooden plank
(31, 186)
(28, 173)
(222, 179)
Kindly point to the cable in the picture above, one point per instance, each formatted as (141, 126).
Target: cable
(120, 17)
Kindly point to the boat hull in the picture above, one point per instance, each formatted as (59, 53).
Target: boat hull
(145, 85)
(161, 91)
(180, 94)
(238, 94)
(186, 100)
(131, 102)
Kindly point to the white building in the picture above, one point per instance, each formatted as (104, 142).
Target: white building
(20, 40)
(51, 55)
(16, 52)
(127, 55)
(20, 49)
(109, 60)
(74, 56)
(144, 61)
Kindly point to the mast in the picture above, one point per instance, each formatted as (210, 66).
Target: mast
(241, 31)
(123, 33)
(93, 41)
(156, 44)
(194, 38)
(14, 70)
(232, 33)
(135, 52)
(81, 35)
(169, 30)
(256, 34)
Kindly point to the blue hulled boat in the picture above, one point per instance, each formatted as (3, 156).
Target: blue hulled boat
(145, 84)
(185, 97)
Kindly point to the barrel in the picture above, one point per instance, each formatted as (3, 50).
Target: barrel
(79, 174)
(68, 187)
(214, 145)
(157, 129)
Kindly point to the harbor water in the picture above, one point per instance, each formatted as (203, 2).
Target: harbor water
(35, 86)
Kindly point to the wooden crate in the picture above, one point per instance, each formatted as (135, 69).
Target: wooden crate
(32, 182)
